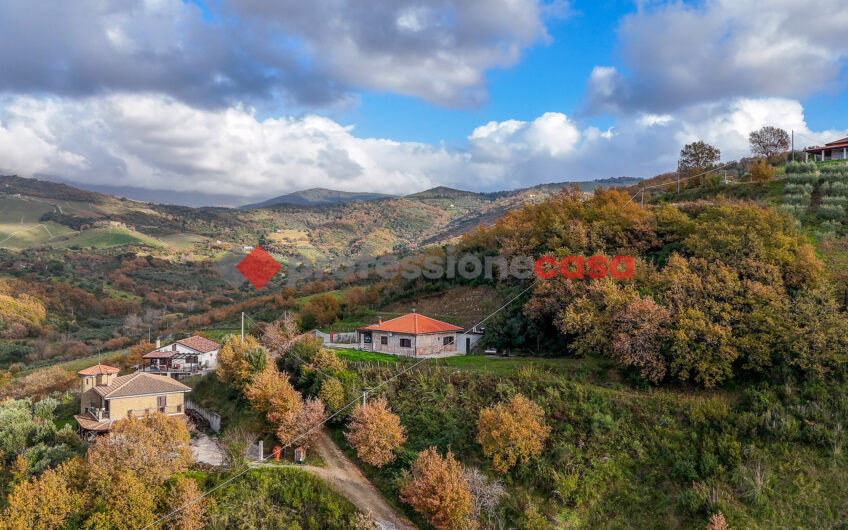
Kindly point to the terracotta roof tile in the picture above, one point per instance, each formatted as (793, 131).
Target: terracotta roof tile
(201, 344)
(99, 369)
(87, 422)
(413, 324)
(140, 383)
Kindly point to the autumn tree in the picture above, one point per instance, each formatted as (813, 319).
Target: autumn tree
(436, 489)
(135, 353)
(239, 360)
(326, 361)
(44, 502)
(191, 516)
(332, 393)
(769, 142)
(638, 336)
(301, 430)
(320, 310)
(375, 432)
(698, 157)
(761, 171)
(512, 432)
(268, 386)
(152, 447)
(278, 334)
(128, 503)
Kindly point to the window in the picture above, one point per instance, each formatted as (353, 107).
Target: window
(447, 340)
(405, 343)
(384, 340)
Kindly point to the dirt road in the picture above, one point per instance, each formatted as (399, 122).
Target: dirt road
(342, 474)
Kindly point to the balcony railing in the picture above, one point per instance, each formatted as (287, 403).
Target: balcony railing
(98, 414)
(170, 409)
(172, 368)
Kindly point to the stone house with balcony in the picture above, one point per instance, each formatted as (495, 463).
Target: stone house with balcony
(107, 397)
(411, 335)
(181, 358)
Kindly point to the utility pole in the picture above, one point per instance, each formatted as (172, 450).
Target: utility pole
(678, 177)
(643, 197)
(242, 327)
(793, 145)
(148, 333)
(364, 397)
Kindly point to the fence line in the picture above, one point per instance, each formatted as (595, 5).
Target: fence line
(213, 418)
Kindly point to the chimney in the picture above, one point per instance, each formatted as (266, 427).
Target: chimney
(379, 320)
(157, 343)
(413, 310)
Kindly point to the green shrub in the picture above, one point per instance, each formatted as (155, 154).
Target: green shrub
(828, 211)
(799, 199)
(802, 178)
(795, 188)
(835, 200)
(838, 187)
(795, 210)
(838, 168)
(800, 167)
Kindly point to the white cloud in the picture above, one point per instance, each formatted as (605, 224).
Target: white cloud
(156, 142)
(298, 53)
(677, 54)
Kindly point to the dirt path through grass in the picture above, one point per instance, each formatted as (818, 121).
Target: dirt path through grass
(346, 478)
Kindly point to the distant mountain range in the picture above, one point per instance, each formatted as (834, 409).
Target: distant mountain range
(315, 196)
(310, 224)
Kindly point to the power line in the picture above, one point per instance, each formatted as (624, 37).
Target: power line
(331, 416)
(679, 180)
(285, 349)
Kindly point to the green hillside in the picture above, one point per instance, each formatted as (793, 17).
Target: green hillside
(102, 238)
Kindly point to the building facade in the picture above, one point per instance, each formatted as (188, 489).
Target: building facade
(183, 357)
(410, 335)
(107, 397)
(837, 150)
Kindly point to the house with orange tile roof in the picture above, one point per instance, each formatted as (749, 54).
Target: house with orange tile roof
(107, 397)
(412, 335)
(181, 358)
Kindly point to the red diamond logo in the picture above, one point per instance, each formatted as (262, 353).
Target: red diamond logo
(258, 267)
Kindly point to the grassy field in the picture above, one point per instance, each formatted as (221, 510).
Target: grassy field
(77, 364)
(101, 238)
(20, 226)
(625, 457)
(182, 241)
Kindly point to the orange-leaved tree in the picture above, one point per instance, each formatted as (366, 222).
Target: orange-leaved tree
(375, 432)
(435, 488)
(268, 386)
(152, 447)
(47, 501)
(511, 432)
(234, 360)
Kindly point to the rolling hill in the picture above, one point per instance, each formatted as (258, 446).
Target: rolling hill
(315, 196)
(310, 224)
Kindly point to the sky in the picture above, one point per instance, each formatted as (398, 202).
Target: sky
(223, 102)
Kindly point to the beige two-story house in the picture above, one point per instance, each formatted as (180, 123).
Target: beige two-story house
(107, 397)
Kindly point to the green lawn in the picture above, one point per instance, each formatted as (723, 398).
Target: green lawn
(356, 355)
